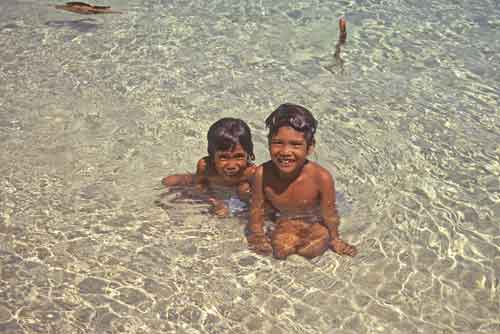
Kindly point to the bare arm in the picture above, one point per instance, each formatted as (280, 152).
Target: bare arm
(179, 180)
(256, 237)
(256, 223)
(245, 188)
(186, 180)
(330, 215)
(201, 180)
(328, 205)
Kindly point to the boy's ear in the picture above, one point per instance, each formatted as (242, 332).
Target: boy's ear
(310, 149)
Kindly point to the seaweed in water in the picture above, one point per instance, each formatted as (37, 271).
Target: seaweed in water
(85, 8)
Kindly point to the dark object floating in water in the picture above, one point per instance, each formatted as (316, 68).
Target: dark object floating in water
(341, 41)
(9, 26)
(85, 8)
(342, 30)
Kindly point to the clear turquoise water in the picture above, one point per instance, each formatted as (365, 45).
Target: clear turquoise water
(94, 110)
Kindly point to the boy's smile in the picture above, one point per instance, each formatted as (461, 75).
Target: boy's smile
(232, 163)
(289, 150)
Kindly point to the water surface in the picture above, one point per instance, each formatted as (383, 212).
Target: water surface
(94, 110)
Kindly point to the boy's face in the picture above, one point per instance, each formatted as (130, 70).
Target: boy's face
(232, 163)
(288, 149)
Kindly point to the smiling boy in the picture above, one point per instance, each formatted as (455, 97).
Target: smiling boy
(228, 164)
(300, 192)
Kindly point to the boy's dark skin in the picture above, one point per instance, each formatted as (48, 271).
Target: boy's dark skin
(231, 168)
(228, 164)
(292, 185)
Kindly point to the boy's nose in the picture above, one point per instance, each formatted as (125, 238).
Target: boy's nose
(231, 168)
(286, 150)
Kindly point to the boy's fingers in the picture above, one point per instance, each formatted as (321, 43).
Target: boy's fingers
(343, 248)
(260, 247)
(262, 250)
(222, 214)
(349, 250)
(353, 251)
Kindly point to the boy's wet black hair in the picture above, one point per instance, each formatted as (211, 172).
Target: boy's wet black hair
(228, 132)
(294, 116)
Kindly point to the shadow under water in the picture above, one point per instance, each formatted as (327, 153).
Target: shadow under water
(82, 25)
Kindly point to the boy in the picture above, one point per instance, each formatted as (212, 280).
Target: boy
(228, 164)
(300, 192)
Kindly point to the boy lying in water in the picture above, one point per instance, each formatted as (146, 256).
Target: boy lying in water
(299, 191)
(228, 164)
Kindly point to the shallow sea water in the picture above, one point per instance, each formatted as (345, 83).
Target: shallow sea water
(94, 110)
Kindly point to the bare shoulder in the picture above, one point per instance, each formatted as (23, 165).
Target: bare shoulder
(250, 170)
(259, 171)
(319, 173)
(202, 165)
(266, 165)
(266, 170)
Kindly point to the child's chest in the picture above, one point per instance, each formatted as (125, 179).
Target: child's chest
(297, 196)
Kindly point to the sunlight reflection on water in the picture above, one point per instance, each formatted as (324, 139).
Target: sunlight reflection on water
(94, 111)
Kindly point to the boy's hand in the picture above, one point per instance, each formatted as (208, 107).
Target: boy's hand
(259, 243)
(341, 247)
(244, 191)
(219, 208)
(167, 181)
